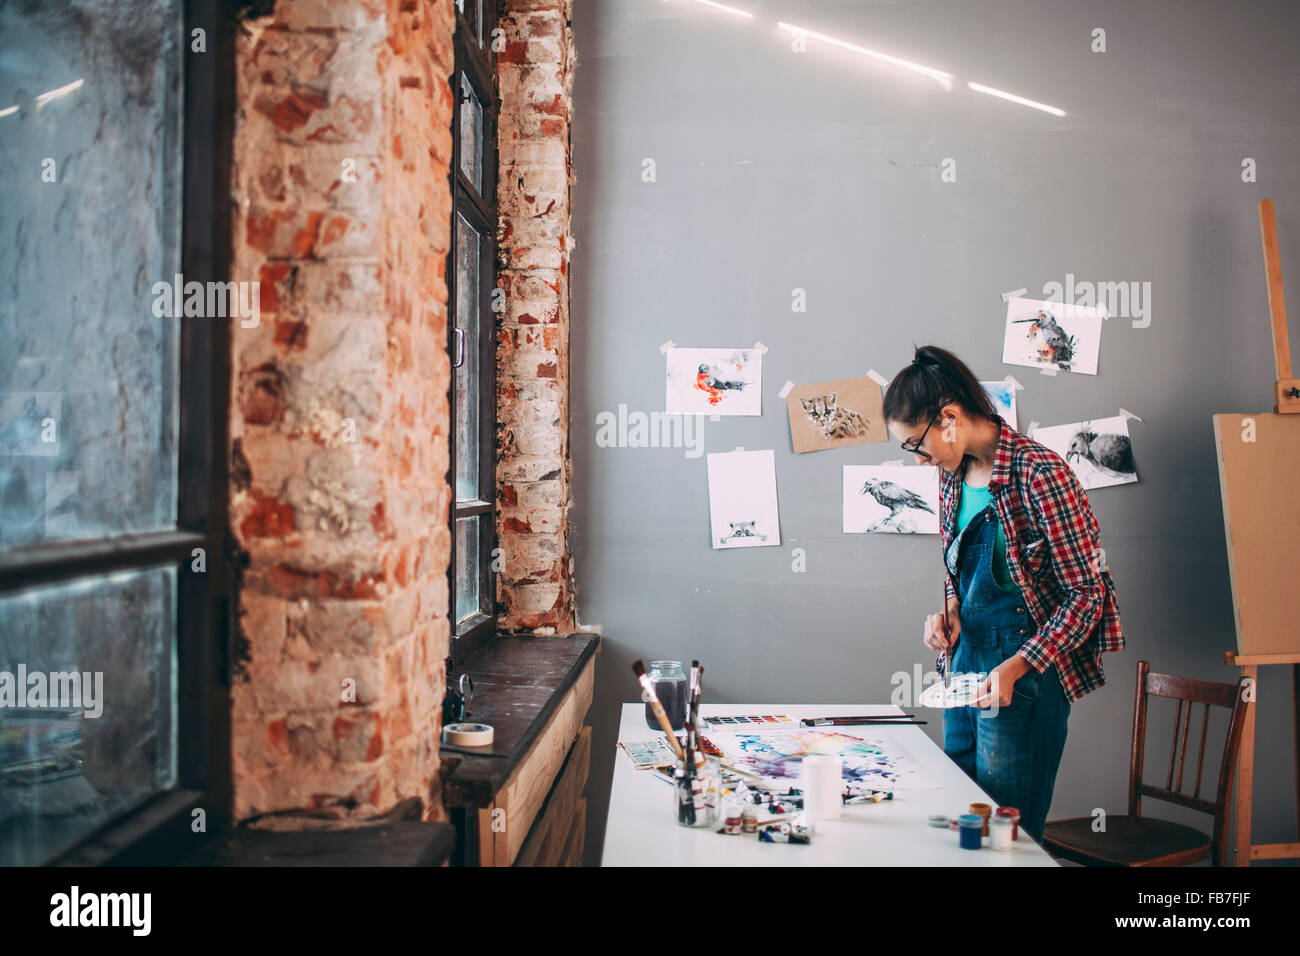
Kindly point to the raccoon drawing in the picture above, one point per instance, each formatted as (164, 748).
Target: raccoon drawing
(743, 529)
(832, 420)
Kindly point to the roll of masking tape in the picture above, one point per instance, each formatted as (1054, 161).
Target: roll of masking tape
(467, 735)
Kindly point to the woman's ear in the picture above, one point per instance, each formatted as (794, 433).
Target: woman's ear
(950, 419)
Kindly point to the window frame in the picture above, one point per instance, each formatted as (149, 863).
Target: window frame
(160, 829)
(478, 64)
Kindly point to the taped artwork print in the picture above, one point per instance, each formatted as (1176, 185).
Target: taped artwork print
(1052, 335)
(742, 499)
(1100, 450)
(776, 757)
(714, 381)
(1003, 396)
(891, 499)
(849, 411)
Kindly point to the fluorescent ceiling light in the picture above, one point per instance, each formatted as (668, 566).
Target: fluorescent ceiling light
(939, 76)
(1003, 94)
(724, 7)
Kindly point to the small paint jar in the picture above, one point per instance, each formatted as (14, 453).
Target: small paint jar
(733, 821)
(1012, 814)
(749, 820)
(1000, 833)
(970, 825)
(984, 811)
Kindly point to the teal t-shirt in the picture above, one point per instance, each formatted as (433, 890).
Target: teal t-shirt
(973, 501)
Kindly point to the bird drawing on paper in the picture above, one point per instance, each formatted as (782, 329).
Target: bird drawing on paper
(23, 432)
(1111, 453)
(1057, 348)
(894, 497)
(707, 381)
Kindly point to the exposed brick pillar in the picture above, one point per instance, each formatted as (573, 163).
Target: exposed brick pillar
(339, 406)
(535, 71)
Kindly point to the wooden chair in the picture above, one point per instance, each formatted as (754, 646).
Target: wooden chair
(1135, 840)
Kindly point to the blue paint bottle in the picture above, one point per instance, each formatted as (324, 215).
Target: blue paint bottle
(972, 828)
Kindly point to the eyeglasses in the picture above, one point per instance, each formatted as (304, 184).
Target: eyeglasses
(914, 448)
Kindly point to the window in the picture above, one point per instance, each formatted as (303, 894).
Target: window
(472, 335)
(112, 441)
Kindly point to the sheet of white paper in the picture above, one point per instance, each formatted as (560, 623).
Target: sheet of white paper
(1100, 451)
(1003, 397)
(1055, 335)
(742, 499)
(890, 498)
(714, 381)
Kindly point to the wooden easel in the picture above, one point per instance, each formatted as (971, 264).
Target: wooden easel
(1287, 393)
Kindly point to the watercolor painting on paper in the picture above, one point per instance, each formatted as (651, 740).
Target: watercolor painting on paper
(1003, 396)
(777, 756)
(1052, 335)
(714, 381)
(891, 499)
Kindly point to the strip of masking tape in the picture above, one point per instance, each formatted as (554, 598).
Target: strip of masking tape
(738, 448)
(1126, 414)
(760, 347)
(467, 735)
(670, 344)
(896, 461)
(715, 418)
(1030, 429)
(1048, 370)
(877, 378)
(785, 389)
(1015, 386)
(1014, 294)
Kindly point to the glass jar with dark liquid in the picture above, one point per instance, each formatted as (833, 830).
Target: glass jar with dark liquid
(670, 687)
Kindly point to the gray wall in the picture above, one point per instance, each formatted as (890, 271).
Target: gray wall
(821, 171)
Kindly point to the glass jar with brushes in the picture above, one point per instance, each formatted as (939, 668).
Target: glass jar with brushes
(697, 796)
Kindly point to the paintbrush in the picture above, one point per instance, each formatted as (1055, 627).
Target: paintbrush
(697, 746)
(690, 797)
(941, 662)
(903, 720)
(697, 673)
(648, 695)
(874, 719)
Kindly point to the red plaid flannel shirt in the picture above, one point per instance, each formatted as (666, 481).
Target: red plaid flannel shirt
(1053, 556)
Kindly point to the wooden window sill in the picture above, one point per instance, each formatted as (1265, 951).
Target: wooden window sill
(535, 692)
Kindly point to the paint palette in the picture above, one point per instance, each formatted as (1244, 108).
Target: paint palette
(962, 691)
(768, 720)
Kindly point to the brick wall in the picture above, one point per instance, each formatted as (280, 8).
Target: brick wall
(535, 72)
(339, 415)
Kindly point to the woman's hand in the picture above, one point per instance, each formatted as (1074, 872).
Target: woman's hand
(933, 631)
(1001, 682)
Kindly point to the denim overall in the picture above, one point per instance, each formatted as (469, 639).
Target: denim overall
(1014, 755)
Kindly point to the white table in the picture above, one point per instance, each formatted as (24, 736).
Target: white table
(641, 831)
